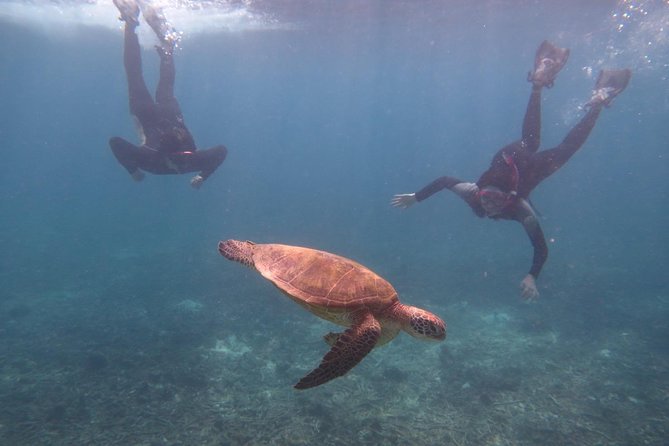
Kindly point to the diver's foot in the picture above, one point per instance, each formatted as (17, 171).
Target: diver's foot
(197, 181)
(548, 62)
(610, 84)
(129, 11)
(154, 16)
(137, 175)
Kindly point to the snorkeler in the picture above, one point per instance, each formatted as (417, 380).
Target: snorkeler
(502, 192)
(167, 146)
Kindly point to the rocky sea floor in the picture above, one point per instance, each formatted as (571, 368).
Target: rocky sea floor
(106, 368)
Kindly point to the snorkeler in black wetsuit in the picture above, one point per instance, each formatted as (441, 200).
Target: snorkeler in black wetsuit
(502, 192)
(167, 145)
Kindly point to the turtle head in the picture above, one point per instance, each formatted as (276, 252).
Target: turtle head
(423, 324)
(238, 251)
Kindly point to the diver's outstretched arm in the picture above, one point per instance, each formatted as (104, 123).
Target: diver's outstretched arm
(466, 191)
(528, 218)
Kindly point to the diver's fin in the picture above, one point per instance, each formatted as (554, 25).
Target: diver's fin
(610, 84)
(129, 11)
(548, 62)
(154, 16)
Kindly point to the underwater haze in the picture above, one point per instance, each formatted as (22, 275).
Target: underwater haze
(121, 324)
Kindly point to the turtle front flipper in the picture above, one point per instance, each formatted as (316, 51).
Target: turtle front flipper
(348, 350)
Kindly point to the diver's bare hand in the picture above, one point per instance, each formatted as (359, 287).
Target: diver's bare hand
(403, 200)
(137, 175)
(528, 288)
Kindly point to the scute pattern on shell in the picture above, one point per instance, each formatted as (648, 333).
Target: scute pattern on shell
(323, 279)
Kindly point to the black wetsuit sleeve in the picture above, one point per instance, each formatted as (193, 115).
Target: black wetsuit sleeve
(436, 186)
(526, 216)
(208, 160)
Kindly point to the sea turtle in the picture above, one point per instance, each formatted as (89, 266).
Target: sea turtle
(341, 291)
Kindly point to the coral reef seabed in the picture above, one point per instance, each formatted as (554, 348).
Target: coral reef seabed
(182, 371)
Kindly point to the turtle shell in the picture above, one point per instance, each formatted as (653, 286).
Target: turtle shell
(321, 280)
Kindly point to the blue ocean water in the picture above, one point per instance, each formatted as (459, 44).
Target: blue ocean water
(121, 324)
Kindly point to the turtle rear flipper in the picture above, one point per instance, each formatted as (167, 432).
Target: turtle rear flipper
(348, 350)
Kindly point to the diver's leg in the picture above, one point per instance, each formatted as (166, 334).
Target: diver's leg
(165, 89)
(548, 61)
(168, 38)
(609, 85)
(128, 155)
(532, 122)
(547, 162)
(138, 94)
